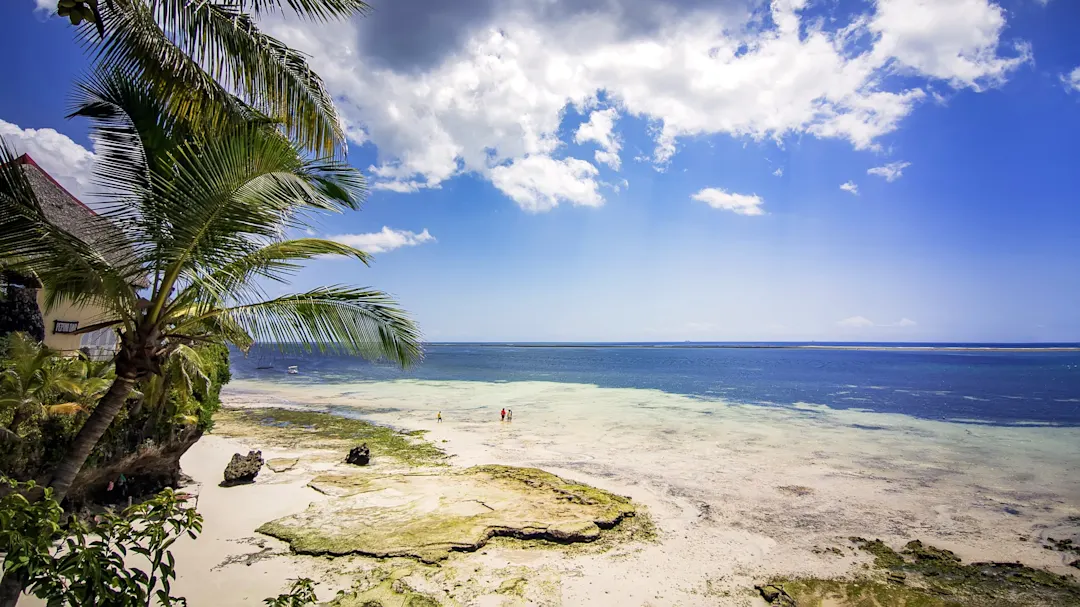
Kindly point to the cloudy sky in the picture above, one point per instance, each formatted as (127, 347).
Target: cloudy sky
(610, 170)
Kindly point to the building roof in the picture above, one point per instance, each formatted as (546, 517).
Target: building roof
(65, 210)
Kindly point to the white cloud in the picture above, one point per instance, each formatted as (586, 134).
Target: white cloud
(600, 129)
(737, 203)
(498, 98)
(850, 187)
(779, 172)
(1072, 79)
(861, 322)
(46, 5)
(891, 172)
(952, 40)
(856, 322)
(384, 240)
(68, 162)
(539, 182)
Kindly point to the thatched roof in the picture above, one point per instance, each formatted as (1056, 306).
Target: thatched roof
(67, 212)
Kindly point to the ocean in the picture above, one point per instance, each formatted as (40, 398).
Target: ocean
(978, 385)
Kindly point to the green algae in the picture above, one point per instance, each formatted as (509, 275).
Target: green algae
(317, 428)
(859, 593)
(921, 575)
(388, 593)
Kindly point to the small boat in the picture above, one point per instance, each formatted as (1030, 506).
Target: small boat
(293, 370)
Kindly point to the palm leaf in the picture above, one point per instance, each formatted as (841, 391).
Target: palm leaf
(64, 409)
(355, 321)
(239, 279)
(198, 51)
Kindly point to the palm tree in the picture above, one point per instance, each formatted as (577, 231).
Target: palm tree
(34, 378)
(210, 57)
(197, 215)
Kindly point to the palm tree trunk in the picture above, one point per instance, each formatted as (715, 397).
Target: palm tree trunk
(11, 588)
(12, 585)
(91, 432)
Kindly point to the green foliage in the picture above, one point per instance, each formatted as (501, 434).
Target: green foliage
(120, 561)
(44, 437)
(302, 593)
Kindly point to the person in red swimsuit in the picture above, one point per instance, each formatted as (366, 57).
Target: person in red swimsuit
(502, 417)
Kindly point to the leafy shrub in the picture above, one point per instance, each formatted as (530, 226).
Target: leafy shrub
(75, 564)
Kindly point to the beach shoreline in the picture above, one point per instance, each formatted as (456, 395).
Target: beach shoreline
(751, 494)
(739, 495)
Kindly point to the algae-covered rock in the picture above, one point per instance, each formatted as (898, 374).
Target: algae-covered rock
(426, 516)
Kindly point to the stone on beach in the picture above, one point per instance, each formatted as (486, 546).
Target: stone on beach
(243, 468)
(359, 456)
(426, 516)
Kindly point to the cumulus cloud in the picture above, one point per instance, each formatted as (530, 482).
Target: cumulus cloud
(600, 129)
(736, 203)
(68, 162)
(861, 322)
(955, 40)
(779, 172)
(493, 92)
(850, 187)
(384, 240)
(891, 172)
(539, 183)
(1072, 79)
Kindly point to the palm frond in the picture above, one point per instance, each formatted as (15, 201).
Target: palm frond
(64, 409)
(344, 319)
(224, 197)
(239, 280)
(318, 10)
(204, 52)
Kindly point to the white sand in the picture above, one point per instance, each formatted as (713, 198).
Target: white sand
(712, 474)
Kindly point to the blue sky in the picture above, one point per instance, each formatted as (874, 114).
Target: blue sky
(703, 201)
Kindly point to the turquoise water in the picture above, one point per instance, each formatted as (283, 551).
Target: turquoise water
(969, 386)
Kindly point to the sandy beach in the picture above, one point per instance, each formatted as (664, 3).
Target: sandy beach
(739, 494)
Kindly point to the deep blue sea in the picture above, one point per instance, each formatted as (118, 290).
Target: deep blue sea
(989, 387)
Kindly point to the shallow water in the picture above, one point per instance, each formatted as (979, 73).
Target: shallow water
(973, 386)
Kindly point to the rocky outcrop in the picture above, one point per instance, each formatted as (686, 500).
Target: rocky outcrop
(147, 471)
(243, 469)
(359, 456)
(426, 516)
(775, 595)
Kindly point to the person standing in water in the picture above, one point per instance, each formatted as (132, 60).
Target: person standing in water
(502, 416)
(510, 415)
(438, 418)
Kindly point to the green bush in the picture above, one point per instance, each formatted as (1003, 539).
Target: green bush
(119, 561)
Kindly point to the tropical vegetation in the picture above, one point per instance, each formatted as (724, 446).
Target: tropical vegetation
(200, 216)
